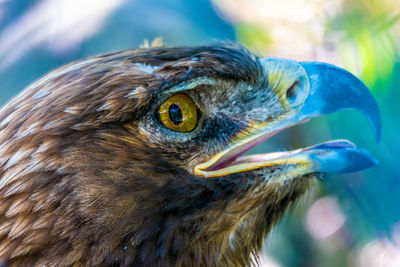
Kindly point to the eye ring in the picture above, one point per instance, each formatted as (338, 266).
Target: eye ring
(178, 113)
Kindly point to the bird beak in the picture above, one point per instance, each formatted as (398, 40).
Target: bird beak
(333, 89)
(306, 90)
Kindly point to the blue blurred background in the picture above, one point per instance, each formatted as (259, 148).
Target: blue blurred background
(349, 220)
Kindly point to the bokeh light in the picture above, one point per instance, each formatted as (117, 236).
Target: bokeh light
(378, 253)
(324, 218)
(61, 25)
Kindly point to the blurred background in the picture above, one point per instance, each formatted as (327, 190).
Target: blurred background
(349, 220)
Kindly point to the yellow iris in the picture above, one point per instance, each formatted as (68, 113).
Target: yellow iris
(179, 113)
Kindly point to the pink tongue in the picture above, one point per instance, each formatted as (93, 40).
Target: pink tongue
(232, 155)
(236, 152)
(263, 157)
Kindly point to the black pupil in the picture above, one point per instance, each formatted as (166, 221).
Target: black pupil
(175, 114)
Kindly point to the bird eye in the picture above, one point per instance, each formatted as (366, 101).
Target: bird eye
(178, 113)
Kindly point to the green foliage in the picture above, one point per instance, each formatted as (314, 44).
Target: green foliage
(369, 52)
(252, 36)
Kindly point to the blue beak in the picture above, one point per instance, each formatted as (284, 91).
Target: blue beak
(313, 89)
(333, 89)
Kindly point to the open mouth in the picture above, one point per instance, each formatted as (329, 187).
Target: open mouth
(231, 160)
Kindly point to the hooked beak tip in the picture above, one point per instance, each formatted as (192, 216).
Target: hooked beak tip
(333, 89)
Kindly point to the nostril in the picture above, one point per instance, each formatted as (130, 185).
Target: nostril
(291, 93)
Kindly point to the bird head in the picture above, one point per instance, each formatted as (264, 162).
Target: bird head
(135, 157)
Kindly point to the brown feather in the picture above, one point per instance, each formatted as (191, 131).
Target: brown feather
(88, 178)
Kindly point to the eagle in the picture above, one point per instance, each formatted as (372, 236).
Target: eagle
(136, 158)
